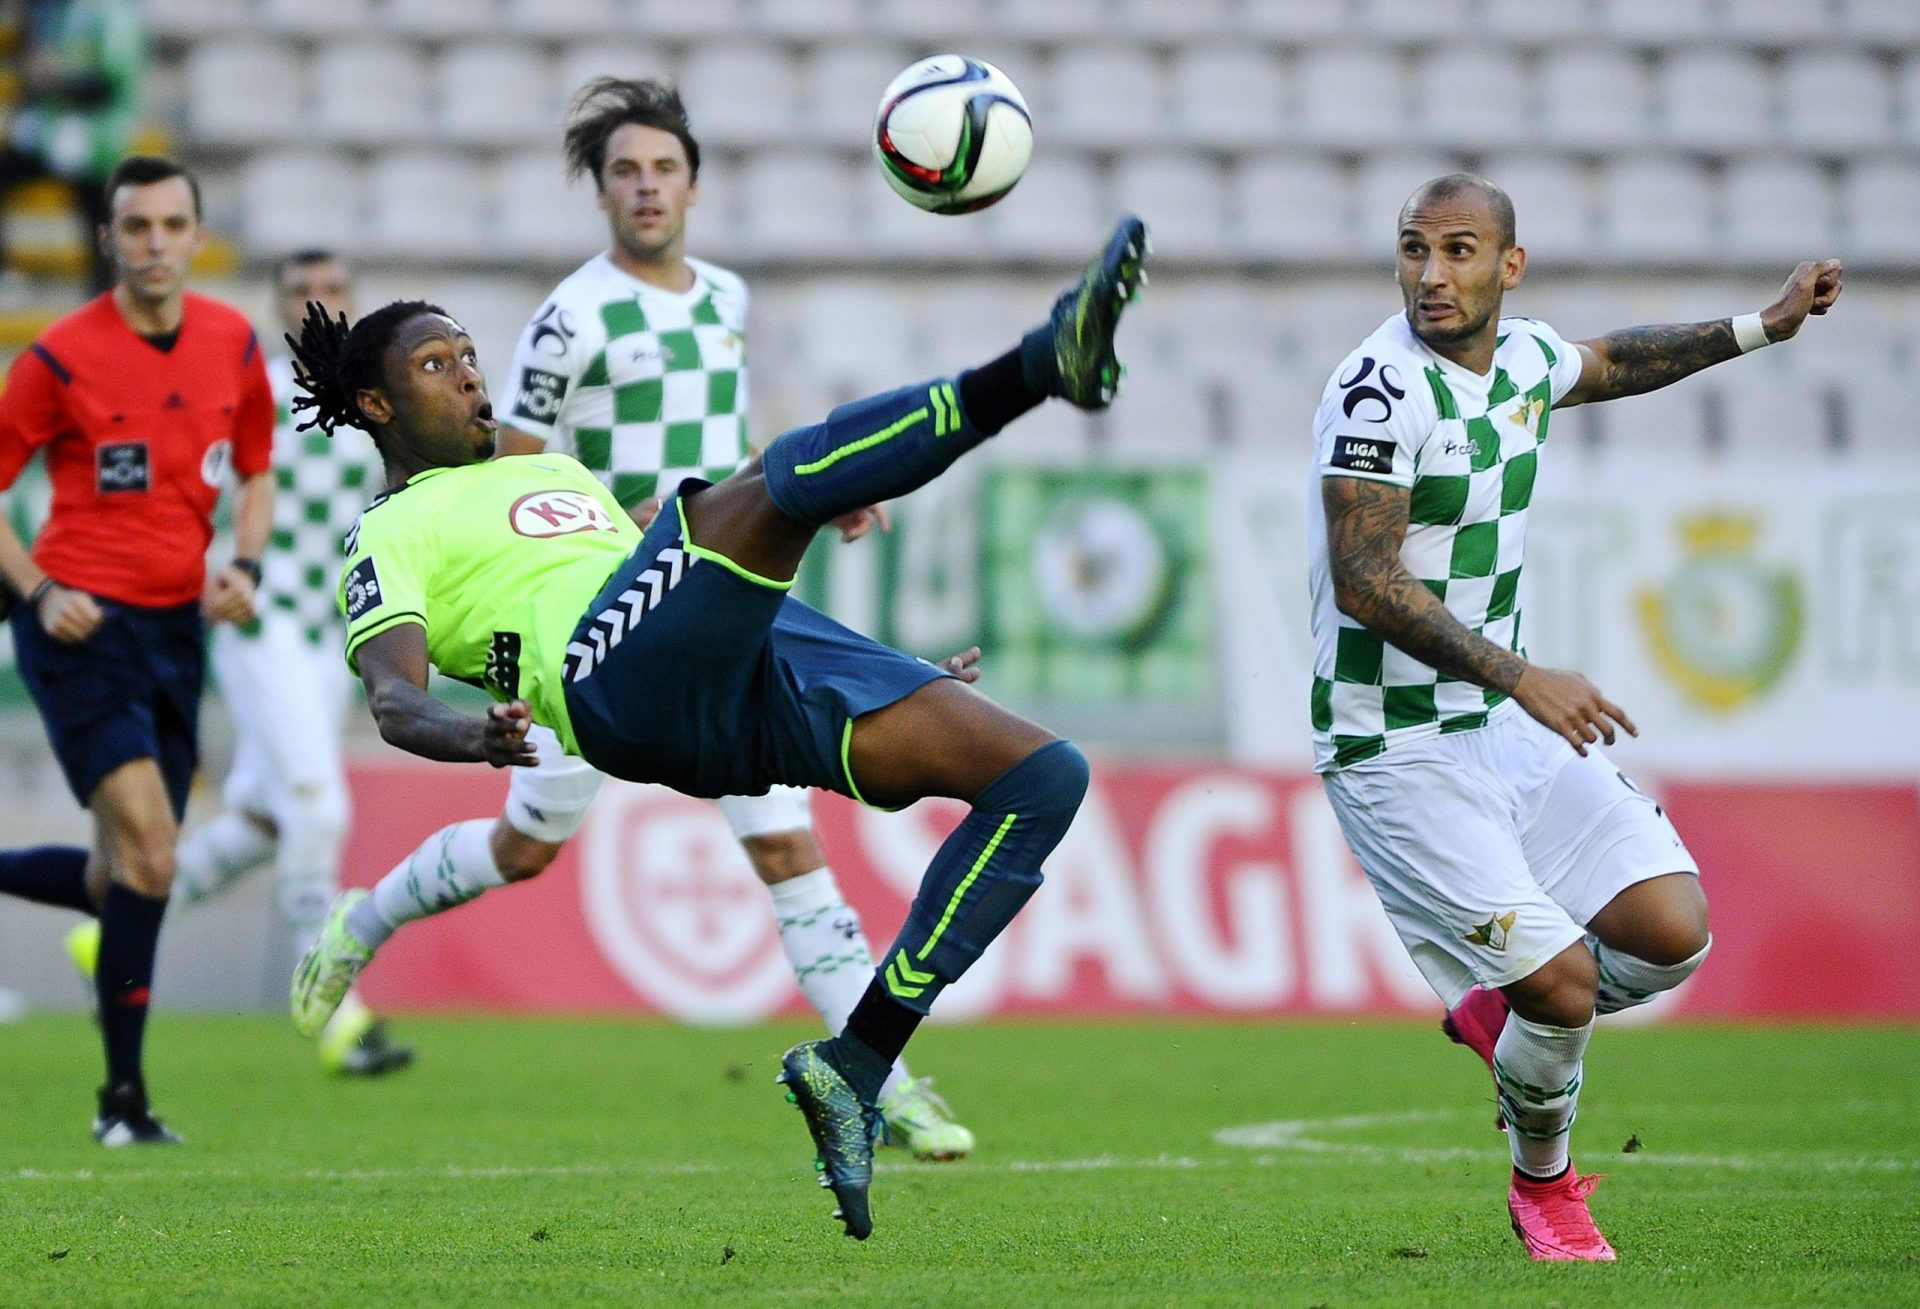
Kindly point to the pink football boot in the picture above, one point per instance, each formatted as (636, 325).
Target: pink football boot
(1552, 1221)
(1476, 1023)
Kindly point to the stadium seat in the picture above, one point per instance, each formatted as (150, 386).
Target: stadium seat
(1295, 20)
(542, 216)
(674, 20)
(841, 85)
(293, 200)
(824, 21)
(1106, 95)
(1910, 99)
(931, 28)
(434, 20)
(1594, 97)
(1765, 408)
(1882, 22)
(1292, 208)
(1382, 184)
(1411, 20)
(1553, 204)
(891, 228)
(1217, 329)
(741, 93)
(1160, 414)
(369, 92)
(1272, 412)
(1182, 195)
(189, 20)
(1527, 21)
(1655, 23)
(969, 319)
(563, 20)
(1715, 100)
(1057, 212)
(1779, 208)
(306, 19)
(494, 93)
(1350, 97)
(584, 61)
(1469, 97)
(428, 205)
(1051, 21)
(1670, 421)
(1781, 22)
(1836, 101)
(797, 203)
(854, 332)
(243, 92)
(1883, 209)
(1157, 20)
(1656, 207)
(1228, 95)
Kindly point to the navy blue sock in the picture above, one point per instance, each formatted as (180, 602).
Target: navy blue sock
(868, 451)
(983, 873)
(123, 979)
(47, 874)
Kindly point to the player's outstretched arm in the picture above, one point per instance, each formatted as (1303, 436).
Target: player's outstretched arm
(393, 668)
(1366, 524)
(1635, 360)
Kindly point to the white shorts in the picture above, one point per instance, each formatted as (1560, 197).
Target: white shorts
(549, 802)
(1491, 850)
(287, 697)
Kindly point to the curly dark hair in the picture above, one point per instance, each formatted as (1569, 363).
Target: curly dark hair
(608, 103)
(334, 362)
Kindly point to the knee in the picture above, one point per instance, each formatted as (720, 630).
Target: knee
(146, 863)
(1057, 777)
(1679, 934)
(517, 855)
(1561, 993)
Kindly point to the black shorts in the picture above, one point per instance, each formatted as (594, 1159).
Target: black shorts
(130, 691)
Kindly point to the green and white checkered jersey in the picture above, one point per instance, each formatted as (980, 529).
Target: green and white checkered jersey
(320, 485)
(643, 386)
(1468, 448)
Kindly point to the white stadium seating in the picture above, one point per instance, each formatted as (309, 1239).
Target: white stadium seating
(1779, 209)
(1469, 97)
(1715, 99)
(1883, 208)
(1228, 95)
(1290, 207)
(1595, 98)
(300, 199)
(493, 93)
(1837, 101)
(370, 93)
(1105, 95)
(243, 92)
(1655, 207)
(1350, 96)
(741, 93)
(428, 205)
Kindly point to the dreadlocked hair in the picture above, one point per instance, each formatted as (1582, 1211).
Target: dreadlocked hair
(334, 362)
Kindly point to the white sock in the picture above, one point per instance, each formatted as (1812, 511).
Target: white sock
(451, 867)
(1537, 1068)
(1627, 981)
(216, 853)
(828, 950)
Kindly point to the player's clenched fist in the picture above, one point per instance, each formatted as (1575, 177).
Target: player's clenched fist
(67, 615)
(1571, 705)
(504, 740)
(1811, 288)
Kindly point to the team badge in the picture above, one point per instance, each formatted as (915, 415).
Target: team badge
(1493, 933)
(1726, 624)
(363, 589)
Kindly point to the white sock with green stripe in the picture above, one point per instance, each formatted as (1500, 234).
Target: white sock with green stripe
(1537, 1069)
(449, 868)
(828, 949)
(216, 853)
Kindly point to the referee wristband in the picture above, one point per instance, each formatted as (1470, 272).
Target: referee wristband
(39, 593)
(251, 567)
(1749, 333)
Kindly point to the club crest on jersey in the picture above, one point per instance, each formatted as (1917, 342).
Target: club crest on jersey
(1493, 933)
(558, 513)
(363, 589)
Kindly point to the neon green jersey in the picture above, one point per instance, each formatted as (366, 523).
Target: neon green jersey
(498, 561)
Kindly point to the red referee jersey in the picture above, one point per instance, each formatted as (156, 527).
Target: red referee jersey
(138, 442)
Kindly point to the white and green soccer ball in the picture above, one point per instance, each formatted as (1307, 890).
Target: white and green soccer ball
(952, 134)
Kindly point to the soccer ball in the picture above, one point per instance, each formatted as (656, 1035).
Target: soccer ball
(953, 134)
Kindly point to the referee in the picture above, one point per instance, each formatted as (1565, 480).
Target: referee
(142, 399)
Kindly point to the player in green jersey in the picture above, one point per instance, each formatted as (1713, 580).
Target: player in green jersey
(676, 655)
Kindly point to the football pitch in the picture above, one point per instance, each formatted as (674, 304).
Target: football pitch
(546, 1162)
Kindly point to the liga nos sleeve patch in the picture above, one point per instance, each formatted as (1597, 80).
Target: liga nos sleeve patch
(1362, 454)
(363, 589)
(539, 395)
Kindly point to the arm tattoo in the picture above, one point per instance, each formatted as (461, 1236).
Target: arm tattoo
(1635, 360)
(420, 724)
(1366, 522)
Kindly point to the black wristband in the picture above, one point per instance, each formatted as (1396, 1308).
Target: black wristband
(39, 593)
(251, 567)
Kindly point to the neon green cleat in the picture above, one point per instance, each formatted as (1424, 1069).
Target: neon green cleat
(916, 1119)
(326, 972)
(83, 947)
(1085, 317)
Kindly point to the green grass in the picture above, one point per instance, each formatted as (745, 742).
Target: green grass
(548, 1163)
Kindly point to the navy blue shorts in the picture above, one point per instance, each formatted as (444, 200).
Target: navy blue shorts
(130, 691)
(716, 684)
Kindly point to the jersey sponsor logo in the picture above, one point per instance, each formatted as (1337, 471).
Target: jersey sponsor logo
(363, 589)
(552, 331)
(558, 513)
(214, 463)
(122, 467)
(1362, 454)
(540, 395)
(1469, 447)
(1375, 399)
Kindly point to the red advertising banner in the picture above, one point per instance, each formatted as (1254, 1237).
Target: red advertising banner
(1195, 890)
